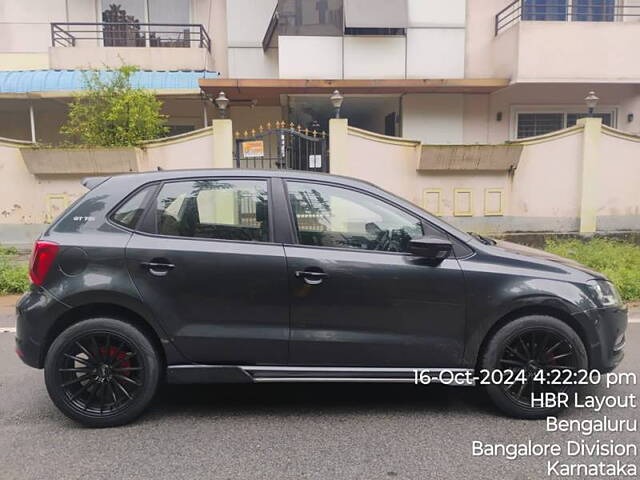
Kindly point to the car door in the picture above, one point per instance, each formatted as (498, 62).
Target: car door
(357, 297)
(210, 273)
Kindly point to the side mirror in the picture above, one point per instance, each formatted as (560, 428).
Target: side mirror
(431, 248)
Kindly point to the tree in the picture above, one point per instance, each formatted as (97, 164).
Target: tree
(111, 113)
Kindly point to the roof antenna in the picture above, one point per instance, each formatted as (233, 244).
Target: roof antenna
(160, 169)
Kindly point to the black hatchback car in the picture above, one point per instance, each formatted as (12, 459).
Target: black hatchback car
(280, 276)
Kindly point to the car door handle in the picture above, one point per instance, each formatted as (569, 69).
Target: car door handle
(311, 277)
(159, 269)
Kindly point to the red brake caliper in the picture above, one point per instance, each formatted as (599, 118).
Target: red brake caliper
(117, 355)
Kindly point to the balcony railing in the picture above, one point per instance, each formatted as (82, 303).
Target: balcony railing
(565, 11)
(120, 34)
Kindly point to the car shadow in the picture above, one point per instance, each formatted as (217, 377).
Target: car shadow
(317, 399)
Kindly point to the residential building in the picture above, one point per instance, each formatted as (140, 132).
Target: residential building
(438, 71)
(472, 109)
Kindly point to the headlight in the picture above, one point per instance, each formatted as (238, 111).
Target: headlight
(605, 293)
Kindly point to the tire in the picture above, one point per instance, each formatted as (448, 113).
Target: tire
(102, 372)
(508, 348)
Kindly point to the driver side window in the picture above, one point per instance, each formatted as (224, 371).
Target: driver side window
(337, 217)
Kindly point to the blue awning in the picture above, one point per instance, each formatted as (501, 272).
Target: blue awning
(27, 81)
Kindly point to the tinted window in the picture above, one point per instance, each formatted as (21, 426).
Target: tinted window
(131, 211)
(221, 209)
(338, 217)
(310, 17)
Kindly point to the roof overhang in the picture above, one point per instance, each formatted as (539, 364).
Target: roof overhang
(268, 91)
(67, 94)
(65, 83)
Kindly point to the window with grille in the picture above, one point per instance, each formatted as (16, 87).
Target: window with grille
(593, 10)
(572, 118)
(532, 124)
(574, 10)
(544, 10)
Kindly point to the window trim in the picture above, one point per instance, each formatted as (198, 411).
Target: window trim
(423, 221)
(153, 222)
(562, 109)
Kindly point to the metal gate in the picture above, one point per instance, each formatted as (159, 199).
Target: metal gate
(282, 147)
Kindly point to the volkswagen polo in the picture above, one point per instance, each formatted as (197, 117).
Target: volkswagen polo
(279, 276)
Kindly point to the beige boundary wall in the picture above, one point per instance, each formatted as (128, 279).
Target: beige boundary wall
(582, 179)
(37, 184)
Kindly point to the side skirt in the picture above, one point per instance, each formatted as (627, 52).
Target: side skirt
(264, 374)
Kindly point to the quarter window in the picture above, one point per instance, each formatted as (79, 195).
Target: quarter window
(329, 216)
(220, 209)
(131, 211)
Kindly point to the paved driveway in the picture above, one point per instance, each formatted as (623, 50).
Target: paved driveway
(279, 432)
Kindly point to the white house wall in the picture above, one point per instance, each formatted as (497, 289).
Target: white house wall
(247, 22)
(435, 52)
(437, 13)
(253, 63)
(310, 57)
(374, 57)
(433, 118)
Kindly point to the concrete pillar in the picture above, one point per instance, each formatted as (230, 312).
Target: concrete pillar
(222, 143)
(32, 123)
(338, 157)
(589, 173)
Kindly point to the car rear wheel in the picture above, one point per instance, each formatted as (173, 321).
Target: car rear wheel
(531, 351)
(102, 372)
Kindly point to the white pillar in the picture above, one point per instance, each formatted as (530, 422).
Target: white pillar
(222, 143)
(32, 119)
(338, 161)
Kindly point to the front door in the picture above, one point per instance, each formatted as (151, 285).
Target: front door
(210, 273)
(357, 297)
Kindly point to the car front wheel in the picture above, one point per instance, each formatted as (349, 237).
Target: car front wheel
(102, 372)
(535, 355)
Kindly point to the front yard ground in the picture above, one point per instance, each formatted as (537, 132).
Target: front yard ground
(13, 272)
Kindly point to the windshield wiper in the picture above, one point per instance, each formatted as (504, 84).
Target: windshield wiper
(485, 240)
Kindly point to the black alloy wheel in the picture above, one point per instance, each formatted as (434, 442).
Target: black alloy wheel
(102, 372)
(534, 353)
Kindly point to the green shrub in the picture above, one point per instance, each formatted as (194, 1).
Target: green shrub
(14, 277)
(111, 113)
(618, 260)
(8, 250)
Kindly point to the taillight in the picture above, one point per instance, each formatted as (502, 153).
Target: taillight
(44, 253)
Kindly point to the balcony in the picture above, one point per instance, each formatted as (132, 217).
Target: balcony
(567, 41)
(150, 46)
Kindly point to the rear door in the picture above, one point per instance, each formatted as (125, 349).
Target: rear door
(210, 272)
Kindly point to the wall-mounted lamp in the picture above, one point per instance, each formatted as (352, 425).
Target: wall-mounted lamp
(592, 101)
(336, 100)
(499, 117)
(630, 117)
(222, 103)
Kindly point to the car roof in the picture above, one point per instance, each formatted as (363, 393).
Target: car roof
(145, 177)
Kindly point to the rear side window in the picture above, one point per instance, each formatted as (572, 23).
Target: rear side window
(130, 211)
(218, 209)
